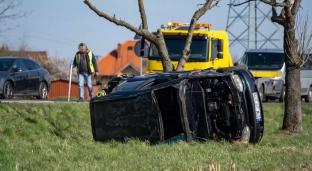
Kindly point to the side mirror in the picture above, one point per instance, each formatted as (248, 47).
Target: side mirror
(236, 63)
(220, 55)
(17, 69)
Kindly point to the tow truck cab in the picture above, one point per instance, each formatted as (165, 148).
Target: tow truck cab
(209, 48)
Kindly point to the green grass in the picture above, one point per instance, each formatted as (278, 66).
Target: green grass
(65, 98)
(58, 137)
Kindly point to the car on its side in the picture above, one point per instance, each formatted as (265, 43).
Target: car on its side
(192, 105)
(23, 77)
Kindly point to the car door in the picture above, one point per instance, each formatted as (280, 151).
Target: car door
(20, 77)
(33, 76)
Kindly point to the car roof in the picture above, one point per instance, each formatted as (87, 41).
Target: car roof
(265, 50)
(12, 57)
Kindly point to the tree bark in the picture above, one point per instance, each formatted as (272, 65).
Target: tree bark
(163, 52)
(292, 114)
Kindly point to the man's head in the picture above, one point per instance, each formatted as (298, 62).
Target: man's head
(82, 48)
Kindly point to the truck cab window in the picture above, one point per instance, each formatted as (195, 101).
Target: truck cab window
(214, 49)
(175, 45)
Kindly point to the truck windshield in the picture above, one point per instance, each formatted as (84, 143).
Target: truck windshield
(263, 61)
(175, 45)
(308, 64)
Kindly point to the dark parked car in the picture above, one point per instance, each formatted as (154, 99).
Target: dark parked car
(189, 105)
(23, 77)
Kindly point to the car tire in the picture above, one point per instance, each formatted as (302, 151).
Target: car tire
(308, 98)
(42, 91)
(282, 95)
(7, 90)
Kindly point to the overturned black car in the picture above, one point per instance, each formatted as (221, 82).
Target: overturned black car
(188, 105)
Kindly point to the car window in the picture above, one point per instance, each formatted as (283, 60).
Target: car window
(30, 65)
(5, 64)
(19, 64)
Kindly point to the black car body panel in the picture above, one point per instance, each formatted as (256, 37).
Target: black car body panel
(25, 79)
(196, 105)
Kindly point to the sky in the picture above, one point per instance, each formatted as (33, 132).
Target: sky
(58, 26)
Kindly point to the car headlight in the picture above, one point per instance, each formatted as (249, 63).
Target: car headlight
(257, 106)
(245, 134)
(237, 82)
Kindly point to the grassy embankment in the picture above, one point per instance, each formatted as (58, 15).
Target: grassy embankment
(58, 137)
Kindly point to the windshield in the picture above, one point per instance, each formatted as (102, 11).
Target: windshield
(128, 86)
(263, 61)
(175, 45)
(308, 64)
(5, 64)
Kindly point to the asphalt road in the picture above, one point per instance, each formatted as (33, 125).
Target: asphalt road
(41, 101)
(61, 101)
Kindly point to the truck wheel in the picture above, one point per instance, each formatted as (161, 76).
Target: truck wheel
(308, 98)
(223, 70)
(282, 95)
(261, 93)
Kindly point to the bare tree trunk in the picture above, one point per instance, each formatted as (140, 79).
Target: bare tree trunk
(292, 117)
(163, 52)
(186, 51)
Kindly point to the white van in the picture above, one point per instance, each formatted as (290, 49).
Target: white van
(268, 67)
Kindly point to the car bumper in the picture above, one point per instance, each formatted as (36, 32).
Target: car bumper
(274, 87)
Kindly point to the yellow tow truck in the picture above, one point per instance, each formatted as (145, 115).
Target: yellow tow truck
(209, 48)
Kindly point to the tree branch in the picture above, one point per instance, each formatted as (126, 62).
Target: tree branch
(113, 19)
(274, 3)
(143, 15)
(199, 13)
(295, 7)
(305, 39)
(7, 11)
(277, 19)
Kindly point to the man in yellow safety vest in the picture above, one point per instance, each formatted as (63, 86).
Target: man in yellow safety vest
(86, 66)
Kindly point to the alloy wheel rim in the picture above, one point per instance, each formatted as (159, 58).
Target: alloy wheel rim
(43, 92)
(8, 90)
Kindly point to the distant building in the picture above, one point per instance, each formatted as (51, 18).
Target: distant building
(120, 60)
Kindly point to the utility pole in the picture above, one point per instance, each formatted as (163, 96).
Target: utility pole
(243, 25)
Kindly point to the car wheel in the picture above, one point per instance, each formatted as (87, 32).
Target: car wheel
(43, 91)
(8, 90)
(308, 98)
(282, 96)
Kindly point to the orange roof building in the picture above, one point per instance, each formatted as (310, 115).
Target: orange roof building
(120, 60)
